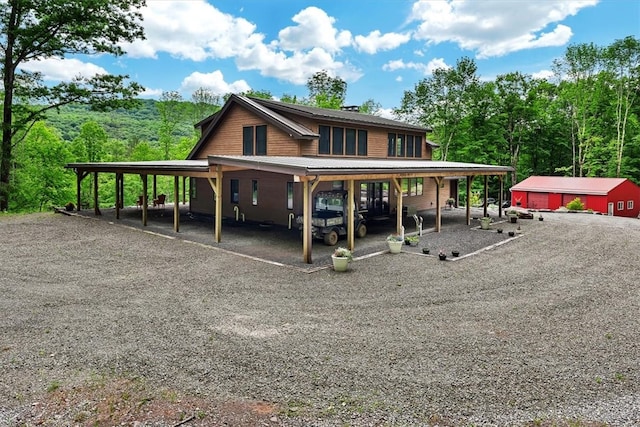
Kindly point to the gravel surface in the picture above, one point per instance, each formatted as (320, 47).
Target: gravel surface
(541, 329)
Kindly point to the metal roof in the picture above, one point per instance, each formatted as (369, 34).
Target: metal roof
(157, 166)
(313, 166)
(568, 185)
(343, 116)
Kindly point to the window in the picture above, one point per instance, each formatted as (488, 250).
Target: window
(391, 147)
(261, 140)
(289, 195)
(410, 146)
(338, 141)
(362, 143)
(629, 204)
(401, 145)
(324, 143)
(350, 142)
(254, 192)
(254, 140)
(412, 186)
(620, 206)
(247, 141)
(234, 191)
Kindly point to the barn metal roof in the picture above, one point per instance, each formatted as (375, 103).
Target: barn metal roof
(568, 185)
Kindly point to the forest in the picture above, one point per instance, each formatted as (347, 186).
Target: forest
(581, 122)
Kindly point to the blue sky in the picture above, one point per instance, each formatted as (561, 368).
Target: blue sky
(379, 47)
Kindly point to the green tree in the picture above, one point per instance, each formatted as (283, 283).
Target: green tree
(172, 112)
(35, 30)
(370, 106)
(205, 103)
(40, 179)
(442, 101)
(622, 60)
(326, 91)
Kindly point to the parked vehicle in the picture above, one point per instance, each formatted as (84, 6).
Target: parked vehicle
(330, 216)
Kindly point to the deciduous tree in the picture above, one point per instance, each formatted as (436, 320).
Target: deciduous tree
(32, 30)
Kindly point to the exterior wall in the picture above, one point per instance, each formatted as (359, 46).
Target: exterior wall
(595, 202)
(555, 201)
(625, 192)
(227, 139)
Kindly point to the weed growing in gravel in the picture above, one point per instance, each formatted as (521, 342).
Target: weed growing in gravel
(53, 386)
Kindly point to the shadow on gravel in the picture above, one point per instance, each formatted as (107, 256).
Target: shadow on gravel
(282, 246)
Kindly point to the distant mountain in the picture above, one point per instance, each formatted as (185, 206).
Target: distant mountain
(138, 124)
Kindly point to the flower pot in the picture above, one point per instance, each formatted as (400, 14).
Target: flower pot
(540, 218)
(499, 230)
(425, 250)
(512, 233)
(340, 263)
(485, 222)
(395, 247)
(442, 257)
(513, 219)
(455, 253)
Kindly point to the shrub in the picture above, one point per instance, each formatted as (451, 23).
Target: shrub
(575, 205)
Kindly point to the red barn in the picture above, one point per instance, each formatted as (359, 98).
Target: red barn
(616, 196)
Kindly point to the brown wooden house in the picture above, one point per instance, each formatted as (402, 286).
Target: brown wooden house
(262, 161)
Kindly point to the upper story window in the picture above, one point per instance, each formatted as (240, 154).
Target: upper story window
(254, 140)
(339, 141)
(401, 145)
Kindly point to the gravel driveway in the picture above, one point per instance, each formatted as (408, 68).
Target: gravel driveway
(104, 325)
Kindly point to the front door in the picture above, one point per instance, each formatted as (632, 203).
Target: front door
(610, 209)
(374, 198)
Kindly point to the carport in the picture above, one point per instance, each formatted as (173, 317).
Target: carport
(309, 171)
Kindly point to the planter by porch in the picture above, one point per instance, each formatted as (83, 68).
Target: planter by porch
(340, 263)
(485, 222)
(395, 247)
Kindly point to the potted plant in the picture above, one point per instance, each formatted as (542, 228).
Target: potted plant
(485, 222)
(425, 251)
(395, 242)
(341, 258)
(499, 230)
(512, 233)
(412, 240)
(450, 202)
(69, 206)
(540, 218)
(455, 253)
(513, 216)
(442, 255)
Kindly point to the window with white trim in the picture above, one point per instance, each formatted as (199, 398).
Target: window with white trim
(629, 204)
(620, 206)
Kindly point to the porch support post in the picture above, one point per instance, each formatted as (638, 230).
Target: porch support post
(501, 178)
(80, 175)
(486, 195)
(306, 222)
(145, 200)
(118, 177)
(469, 182)
(96, 208)
(350, 216)
(439, 180)
(184, 190)
(398, 188)
(155, 187)
(176, 204)
(216, 186)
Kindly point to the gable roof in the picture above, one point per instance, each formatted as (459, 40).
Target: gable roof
(568, 185)
(342, 116)
(276, 112)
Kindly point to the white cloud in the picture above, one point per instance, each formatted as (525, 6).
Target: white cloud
(495, 27)
(426, 69)
(60, 69)
(315, 29)
(543, 74)
(197, 31)
(376, 41)
(193, 30)
(151, 93)
(387, 113)
(213, 81)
